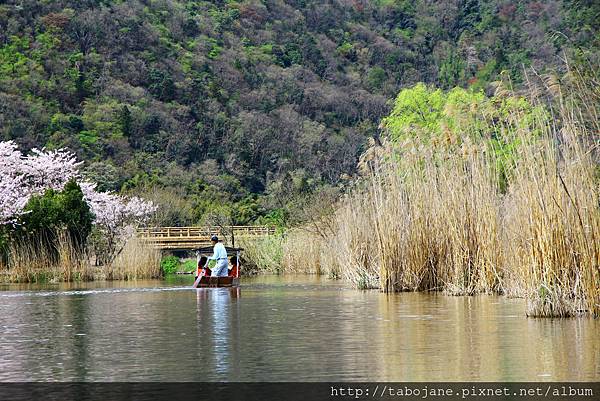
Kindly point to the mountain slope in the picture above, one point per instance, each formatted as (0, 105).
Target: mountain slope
(215, 104)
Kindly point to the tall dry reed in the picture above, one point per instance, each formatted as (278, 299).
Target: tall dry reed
(41, 260)
(552, 217)
(428, 222)
(261, 254)
(301, 252)
(137, 260)
(430, 215)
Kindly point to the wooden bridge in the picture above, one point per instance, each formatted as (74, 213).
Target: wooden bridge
(189, 238)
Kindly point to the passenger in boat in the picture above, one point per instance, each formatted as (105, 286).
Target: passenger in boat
(202, 271)
(220, 255)
(233, 272)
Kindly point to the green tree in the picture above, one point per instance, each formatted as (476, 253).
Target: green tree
(125, 120)
(454, 117)
(375, 78)
(48, 214)
(452, 71)
(161, 84)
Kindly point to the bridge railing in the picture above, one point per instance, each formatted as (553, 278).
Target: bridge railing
(203, 232)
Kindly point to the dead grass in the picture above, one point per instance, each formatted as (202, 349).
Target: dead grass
(137, 260)
(28, 261)
(261, 254)
(435, 218)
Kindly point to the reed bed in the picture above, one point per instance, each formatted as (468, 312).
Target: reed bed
(302, 252)
(137, 260)
(447, 216)
(58, 260)
(262, 254)
(422, 225)
(552, 228)
(552, 219)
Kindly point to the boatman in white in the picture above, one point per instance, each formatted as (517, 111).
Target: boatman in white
(220, 255)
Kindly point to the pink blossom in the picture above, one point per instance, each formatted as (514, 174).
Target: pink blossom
(10, 159)
(113, 211)
(13, 191)
(21, 177)
(13, 198)
(50, 169)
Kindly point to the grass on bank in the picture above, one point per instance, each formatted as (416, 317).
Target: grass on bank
(263, 254)
(137, 260)
(28, 262)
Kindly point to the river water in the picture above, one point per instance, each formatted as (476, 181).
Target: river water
(291, 328)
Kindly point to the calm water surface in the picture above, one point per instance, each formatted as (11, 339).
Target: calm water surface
(293, 328)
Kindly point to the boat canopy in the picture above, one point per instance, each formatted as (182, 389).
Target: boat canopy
(209, 249)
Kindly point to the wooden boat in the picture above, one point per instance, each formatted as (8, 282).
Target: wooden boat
(207, 281)
(204, 279)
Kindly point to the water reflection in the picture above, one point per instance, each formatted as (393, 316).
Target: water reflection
(218, 329)
(282, 329)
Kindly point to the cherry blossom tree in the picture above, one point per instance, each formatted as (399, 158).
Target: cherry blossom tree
(115, 219)
(13, 190)
(13, 198)
(21, 177)
(49, 169)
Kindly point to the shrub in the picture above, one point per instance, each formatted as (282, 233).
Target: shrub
(188, 266)
(47, 216)
(169, 264)
(66, 208)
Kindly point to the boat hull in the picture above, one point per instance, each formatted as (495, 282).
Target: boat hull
(207, 281)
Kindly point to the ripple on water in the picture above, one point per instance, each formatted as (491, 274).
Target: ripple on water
(281, 329)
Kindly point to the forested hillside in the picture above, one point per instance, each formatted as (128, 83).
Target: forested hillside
(230, 108)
